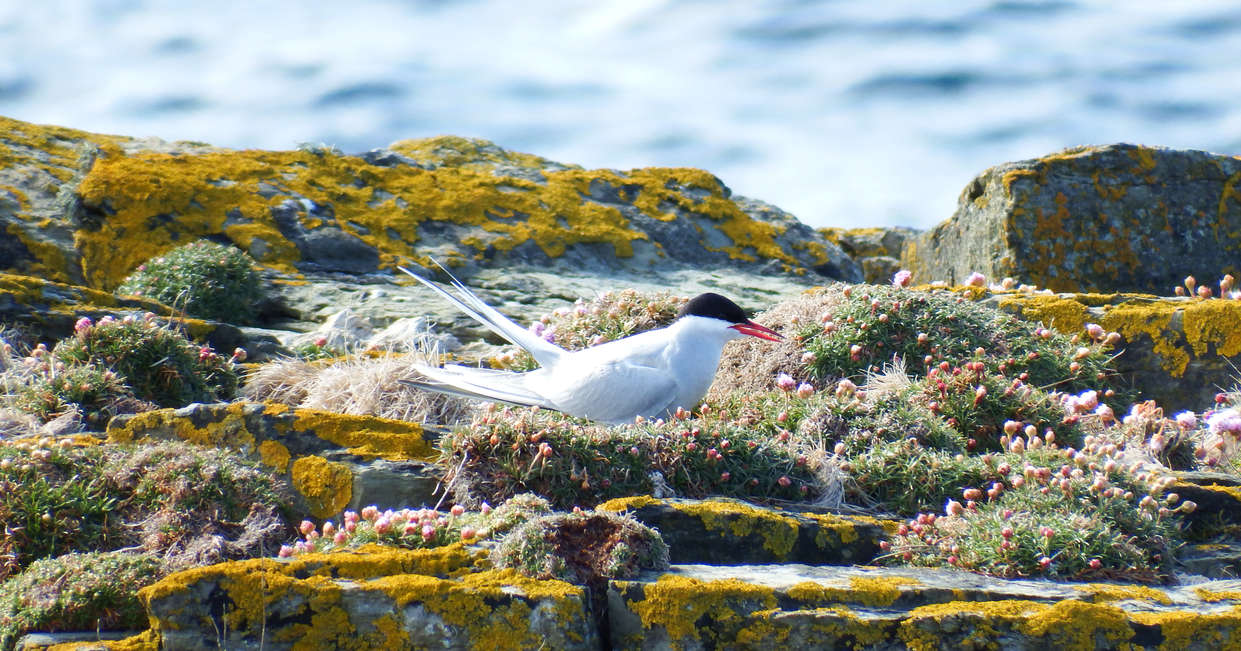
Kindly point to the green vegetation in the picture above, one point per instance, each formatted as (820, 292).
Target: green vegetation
(77, 592)
(207, 280)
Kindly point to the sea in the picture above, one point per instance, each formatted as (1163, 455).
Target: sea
(843, 113)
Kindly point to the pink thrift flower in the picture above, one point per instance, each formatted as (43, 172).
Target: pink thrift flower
(468, 533)
(976, 280)
(457, 509)
(340, 538)
(83, 324)
(306, 527)
(785, 382)
(805, 390)
(1187, 420)
(902, 278)
(370, 513)
(285, 551)
(485, 508)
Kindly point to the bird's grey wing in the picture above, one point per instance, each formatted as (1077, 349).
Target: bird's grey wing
(611, 393)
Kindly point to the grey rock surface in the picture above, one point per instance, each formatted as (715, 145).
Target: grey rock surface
(1108, 218)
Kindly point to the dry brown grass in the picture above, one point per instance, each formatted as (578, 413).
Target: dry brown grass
(360, 385)
(751, 364)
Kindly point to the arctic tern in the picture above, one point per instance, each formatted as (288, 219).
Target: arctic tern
(649, 374)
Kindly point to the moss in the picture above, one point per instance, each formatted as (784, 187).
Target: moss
(275, 455)
(677, 603)
(368, 436)
(326, 485)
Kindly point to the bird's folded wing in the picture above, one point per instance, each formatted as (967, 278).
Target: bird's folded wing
(612, 393)
(544, 352)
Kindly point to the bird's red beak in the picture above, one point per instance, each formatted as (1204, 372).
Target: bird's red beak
(755, 330)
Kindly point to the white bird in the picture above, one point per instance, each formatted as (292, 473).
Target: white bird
(649, 374)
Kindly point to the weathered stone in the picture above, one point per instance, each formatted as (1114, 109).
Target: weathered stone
(334, 461)
(732, 532)
(1111, 218)
(466, 202)
(1178, 351)
(797, 606)
(375, 599)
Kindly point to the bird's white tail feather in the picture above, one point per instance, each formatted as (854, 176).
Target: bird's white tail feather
(482, 384)
(544, 353)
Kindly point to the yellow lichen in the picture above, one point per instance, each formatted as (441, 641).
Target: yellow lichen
(230, 432)
(368, 436)
(845, 529)
(675, 603)
(229, 193)
(866, 591)
(326, 485)
(275, 455)
(1106, 592)
(1071, 625)
(779, 532)
(620, 504)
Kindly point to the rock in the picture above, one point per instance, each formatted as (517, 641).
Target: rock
(78, 640)
(1178, 351)
(408, 334)
(523, 294)
(877, 250)
(1110, 218)
(732, 532)
(1218, 496)
(793, 606)
(104, 204)
(47, 312)
(374, 599)
(343, 330)
(334, 461)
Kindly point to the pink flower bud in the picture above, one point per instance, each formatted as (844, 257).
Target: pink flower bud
(457, 509)
(805, 390)
(976, 280)
(902, 278)
(784, 481)
(306, 527)
(285, 551)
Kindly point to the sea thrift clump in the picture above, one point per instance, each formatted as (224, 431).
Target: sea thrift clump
(205, 279)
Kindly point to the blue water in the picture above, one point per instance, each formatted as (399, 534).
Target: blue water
(850, 114)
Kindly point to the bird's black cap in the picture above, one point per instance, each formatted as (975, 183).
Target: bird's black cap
(714, 306)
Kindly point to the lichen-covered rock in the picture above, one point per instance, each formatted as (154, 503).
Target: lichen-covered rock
(106, 204)
(373, 599)
(334, 461)
(791, 606)
(732, 532)
(1177, 351)
(1110, 218)
(877, 250)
